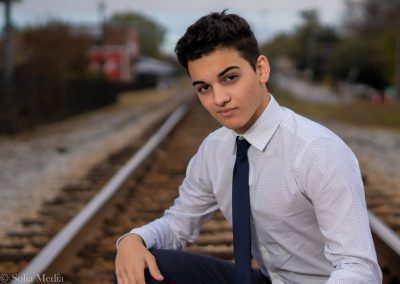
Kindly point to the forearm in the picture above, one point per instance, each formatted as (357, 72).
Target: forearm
(158, 234)
(182, 221)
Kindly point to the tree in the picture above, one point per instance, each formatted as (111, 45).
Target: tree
(376, 25)
(309, 46)
(378, 16)
(356, 60)
(53, 52)
(315, 43)
(151, 34)
(281, 45)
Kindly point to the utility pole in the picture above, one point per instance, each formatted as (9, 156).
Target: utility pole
(397, 67)
(102, 12)
(102, 20)
(7, 67)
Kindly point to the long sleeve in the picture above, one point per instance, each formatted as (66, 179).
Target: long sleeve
(195, 204)
(332, 181)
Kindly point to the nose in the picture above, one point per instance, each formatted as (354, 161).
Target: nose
(221, 97)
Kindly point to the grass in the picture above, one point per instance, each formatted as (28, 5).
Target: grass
(360, 113)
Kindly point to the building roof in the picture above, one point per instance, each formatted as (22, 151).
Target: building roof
(149, 65)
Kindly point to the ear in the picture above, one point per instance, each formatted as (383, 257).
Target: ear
(263, 69)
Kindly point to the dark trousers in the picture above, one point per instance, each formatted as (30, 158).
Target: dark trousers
(179, 267)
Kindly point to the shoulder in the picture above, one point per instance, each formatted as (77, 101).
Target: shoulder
(306, 129)
(218, 138)
(311, 139)
(217, 145)
(212, 151)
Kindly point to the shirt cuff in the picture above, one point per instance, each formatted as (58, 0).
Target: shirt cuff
(144, 234)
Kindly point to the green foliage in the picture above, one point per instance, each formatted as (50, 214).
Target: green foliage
(363, 52)
(373, 36)
(282, 44)
(309, 46)
(356, 59)
(151, 34)
(386, 48)
(304, 53)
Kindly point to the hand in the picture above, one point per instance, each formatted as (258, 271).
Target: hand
(132, 259)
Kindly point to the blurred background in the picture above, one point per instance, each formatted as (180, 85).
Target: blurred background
(82, 81)
(334, 61)
(73, 49)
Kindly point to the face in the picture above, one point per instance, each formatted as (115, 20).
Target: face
(229, 88)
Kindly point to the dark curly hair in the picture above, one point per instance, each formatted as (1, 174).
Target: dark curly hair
(217, 30)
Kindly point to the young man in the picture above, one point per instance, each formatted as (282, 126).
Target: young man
(291, 188)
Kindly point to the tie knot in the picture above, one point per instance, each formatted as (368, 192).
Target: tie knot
(242, 146)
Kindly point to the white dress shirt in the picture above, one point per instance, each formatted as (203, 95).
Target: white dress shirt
(308, 212)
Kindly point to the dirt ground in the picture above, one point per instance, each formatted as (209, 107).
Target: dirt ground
(35, 164)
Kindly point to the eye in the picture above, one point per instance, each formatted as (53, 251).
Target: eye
(230, 78)
(203, 89)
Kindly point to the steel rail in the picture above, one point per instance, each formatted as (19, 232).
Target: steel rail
(384, 232)
(56, 245)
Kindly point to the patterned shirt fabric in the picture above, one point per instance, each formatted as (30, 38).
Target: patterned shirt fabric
(309, 219)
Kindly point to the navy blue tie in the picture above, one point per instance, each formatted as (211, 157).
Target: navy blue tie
(241, 213)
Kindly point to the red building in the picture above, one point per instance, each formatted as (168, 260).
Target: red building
(116, 59)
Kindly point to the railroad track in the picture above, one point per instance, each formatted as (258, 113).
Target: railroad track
(84, 252)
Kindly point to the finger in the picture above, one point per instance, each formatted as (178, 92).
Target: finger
(122, 279)
(119, 280)
(153, 268)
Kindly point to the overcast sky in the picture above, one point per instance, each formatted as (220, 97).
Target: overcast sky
(266, 17)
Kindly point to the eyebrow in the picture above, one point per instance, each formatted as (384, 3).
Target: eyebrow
(198, 82)
(227, 69)
(220, 74)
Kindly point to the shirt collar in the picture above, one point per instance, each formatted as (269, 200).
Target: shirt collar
(261, 132)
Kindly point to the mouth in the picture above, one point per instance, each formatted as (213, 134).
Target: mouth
(226, 111)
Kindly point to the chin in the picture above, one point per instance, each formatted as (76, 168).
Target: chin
(233, 127)
(231, 123)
